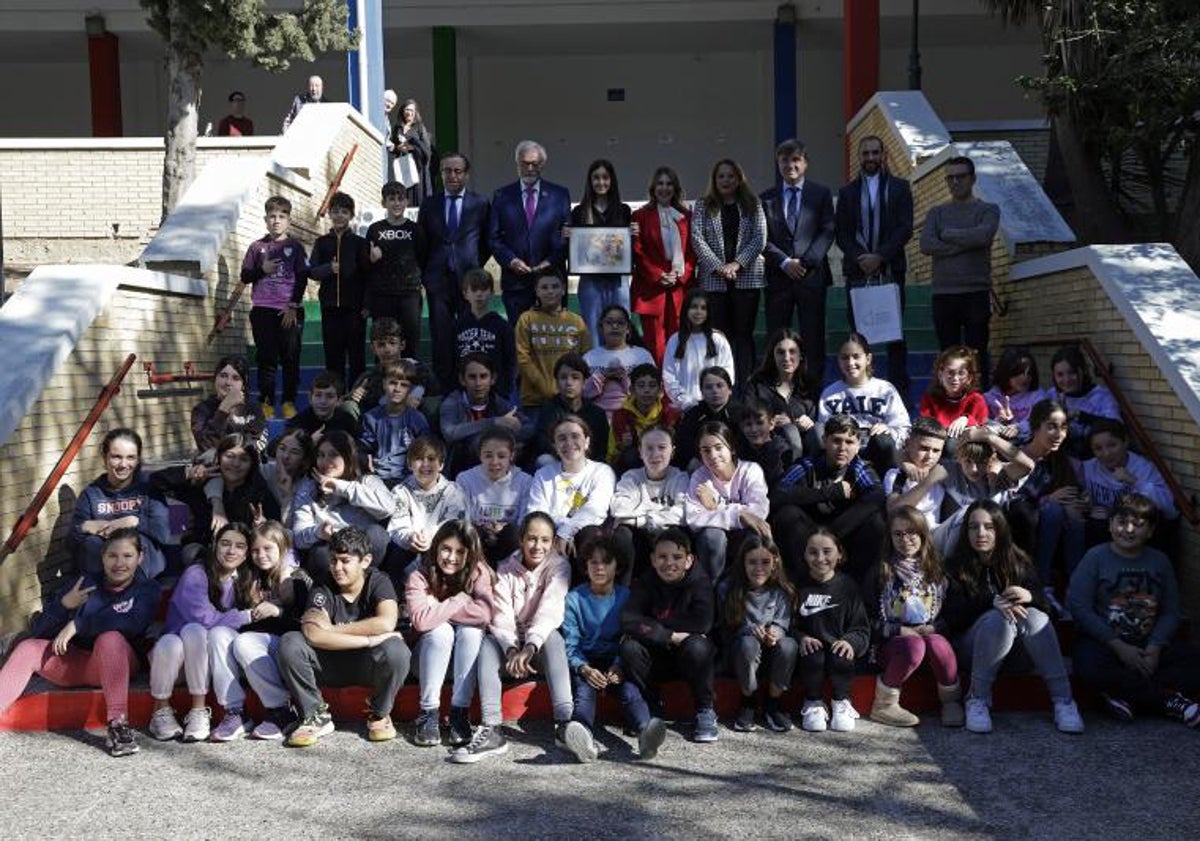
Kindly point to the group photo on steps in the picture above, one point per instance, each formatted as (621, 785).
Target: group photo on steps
(611, 482)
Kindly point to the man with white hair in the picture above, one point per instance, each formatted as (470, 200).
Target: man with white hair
(315, 92)
(525, 230)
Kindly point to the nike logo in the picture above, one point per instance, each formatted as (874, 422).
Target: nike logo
(815, 604)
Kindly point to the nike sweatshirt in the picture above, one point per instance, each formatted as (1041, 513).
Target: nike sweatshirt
(832, 610)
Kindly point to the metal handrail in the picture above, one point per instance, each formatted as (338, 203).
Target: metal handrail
(336, 183)
(1182, 501)
(29, 518)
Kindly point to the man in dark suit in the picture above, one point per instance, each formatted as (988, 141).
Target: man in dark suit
(799, 233)
(455, 226)
(526, 230)
(874, 223)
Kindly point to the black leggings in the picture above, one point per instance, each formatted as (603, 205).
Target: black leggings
(814, 668)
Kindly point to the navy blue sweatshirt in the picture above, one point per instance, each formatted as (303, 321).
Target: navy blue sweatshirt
(129, 610)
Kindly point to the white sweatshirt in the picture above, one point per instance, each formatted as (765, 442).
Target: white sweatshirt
(650, 503)
(418, 509)
(875, 401)
(1104, 488)
(502, 501)
(573, 500)
(681, 377)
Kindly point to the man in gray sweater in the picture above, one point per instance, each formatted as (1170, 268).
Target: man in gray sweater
(958, 236)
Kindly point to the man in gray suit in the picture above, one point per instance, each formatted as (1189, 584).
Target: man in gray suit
(800, 229)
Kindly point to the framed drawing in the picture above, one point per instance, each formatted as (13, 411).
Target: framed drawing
(601, 251)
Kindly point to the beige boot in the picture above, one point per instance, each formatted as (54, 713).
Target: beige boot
(886, 709)
(952, 708)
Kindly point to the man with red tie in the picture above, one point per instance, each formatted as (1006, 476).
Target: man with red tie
(526, 225)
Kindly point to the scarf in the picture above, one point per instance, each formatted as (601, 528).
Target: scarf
(668, 219)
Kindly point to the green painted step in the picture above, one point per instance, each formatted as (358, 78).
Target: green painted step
(918, 324)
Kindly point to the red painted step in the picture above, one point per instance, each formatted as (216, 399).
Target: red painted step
(75, 709)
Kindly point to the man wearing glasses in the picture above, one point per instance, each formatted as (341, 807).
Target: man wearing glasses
(958, 236)
(236, 123)
(455, 224)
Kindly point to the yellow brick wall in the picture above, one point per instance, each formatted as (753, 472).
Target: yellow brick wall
(105, 186)
(168, 330)
(1072, 304)
(929, 191)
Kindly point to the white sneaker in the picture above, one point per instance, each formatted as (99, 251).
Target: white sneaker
(1067, 718)
(979, 717)
(844, 715)
(164, 726)
(197, 724)
(814, 717)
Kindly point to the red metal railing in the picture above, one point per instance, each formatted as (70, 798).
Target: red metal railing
(1148, 448)
(29, 519)
(336, 183)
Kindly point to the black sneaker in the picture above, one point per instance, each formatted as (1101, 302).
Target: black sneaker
(560, 734)
(460, 726)
(1182, 708)
(1118, 708)
(651, 738)
(121, 741)
(487, 741)
(744, 722)
(777, 720)
(427, 732)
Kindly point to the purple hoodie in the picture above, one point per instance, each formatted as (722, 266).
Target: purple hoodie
(189, 603)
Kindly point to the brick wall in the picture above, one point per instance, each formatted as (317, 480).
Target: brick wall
(1033, 145)
(111, 196)
(1070, 304)
(166, 329)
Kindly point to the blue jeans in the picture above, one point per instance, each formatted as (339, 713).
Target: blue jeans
(597, 292)
(637, 713)
(1055, 526)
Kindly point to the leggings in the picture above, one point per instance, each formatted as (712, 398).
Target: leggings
(821, 664)
(108, 665)
(433, 655)
(187, 650)
(903, 655)
(550, 661)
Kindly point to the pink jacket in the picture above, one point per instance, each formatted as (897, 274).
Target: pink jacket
(529, 604)
(426, 612)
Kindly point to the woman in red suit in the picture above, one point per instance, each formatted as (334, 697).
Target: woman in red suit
(663, 262)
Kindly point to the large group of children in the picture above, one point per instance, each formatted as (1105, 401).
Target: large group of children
(608, 520)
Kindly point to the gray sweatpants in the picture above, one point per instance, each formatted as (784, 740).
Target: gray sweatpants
(433, 654)
(551, 663)
(989, 641)
(746, 656)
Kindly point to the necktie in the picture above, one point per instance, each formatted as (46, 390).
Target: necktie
(530, 206)
(792, 210)
(452, 216)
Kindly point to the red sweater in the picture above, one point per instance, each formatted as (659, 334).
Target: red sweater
(945, 411)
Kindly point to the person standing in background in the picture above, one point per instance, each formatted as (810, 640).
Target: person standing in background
(236, 123)
(874, 222)
(315, 92)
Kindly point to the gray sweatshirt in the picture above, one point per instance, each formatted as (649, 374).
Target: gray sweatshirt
(958, 235)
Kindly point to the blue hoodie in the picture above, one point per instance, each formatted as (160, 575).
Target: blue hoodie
(99, 501)
(129, 610)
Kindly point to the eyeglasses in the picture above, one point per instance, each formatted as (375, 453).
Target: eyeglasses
(905, 534)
